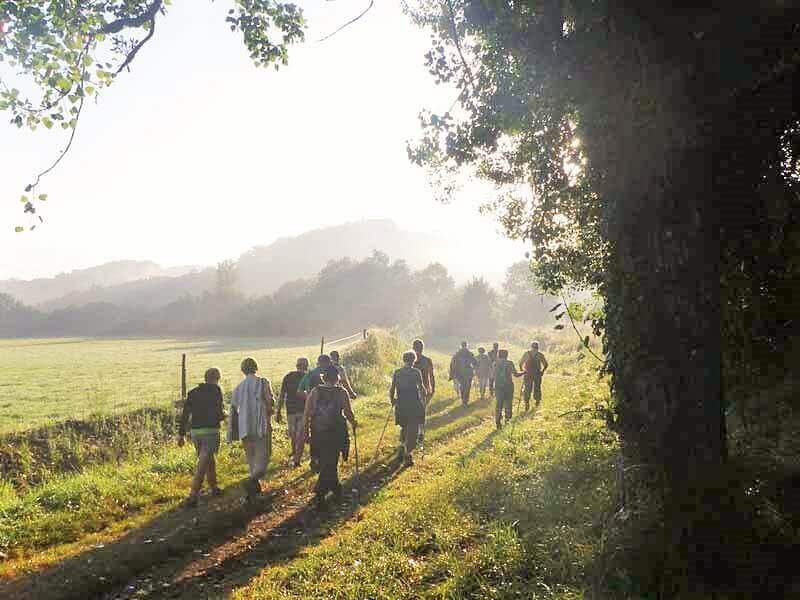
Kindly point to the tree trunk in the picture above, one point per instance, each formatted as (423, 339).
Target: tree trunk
(664, 338)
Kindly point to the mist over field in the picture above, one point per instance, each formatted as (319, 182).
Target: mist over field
(419, 300)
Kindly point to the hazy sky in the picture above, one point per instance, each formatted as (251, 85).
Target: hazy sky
(195, 155)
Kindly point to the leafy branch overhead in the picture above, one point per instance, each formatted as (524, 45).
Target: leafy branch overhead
(54, 53)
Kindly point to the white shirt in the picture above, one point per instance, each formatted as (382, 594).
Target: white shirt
(247, 401)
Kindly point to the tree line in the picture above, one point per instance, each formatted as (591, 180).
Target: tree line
(353, 294)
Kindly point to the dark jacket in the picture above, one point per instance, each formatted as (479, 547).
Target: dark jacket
(203, 407)
(408, 393)
(295, 401)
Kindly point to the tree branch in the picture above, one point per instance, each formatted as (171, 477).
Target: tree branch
(585, 345)
(132, 54)
(452, 17)
(350, 22)
(132, 22)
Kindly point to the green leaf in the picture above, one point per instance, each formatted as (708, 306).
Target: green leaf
(44, 197)
(23, 199)
(64, 84)
(19, 229)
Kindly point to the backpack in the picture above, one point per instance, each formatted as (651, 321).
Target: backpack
(327, 416)
(503, 375)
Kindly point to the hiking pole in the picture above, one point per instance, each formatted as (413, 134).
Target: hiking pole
(358, 471)
(516, 416)
(380, 440)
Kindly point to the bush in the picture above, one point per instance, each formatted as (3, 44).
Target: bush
(368, 362)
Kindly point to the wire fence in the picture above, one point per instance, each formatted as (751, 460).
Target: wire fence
(119, 387)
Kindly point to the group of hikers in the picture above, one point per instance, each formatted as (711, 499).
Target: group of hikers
(317, 404)
(495, 373)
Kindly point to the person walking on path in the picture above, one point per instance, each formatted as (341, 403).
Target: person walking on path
(314, 377)
(504, 372)
(425, 366)
(493, 357)
(464, 370)
(534, 364)
(344, 380)
(251, 411)
(483, 369)
(453, 376)
(325, 428)
(407, 395)
(295, 402)
(203, 408)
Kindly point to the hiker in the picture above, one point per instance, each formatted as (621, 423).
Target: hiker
(425, 367)
(534, 364)
(251, 411)
(504, 371)
(203, 407)
(407, 395)
(344, 380)
(493, 357)
(464, 371)
(314, 377)
(295, 402)
(453, 376)
(483, 369)
(325, 428)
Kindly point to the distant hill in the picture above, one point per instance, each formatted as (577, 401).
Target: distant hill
(39, 291)
(261, 271)
(264, 269)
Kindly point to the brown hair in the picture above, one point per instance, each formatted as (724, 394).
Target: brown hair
(249, 366)
(212, 375)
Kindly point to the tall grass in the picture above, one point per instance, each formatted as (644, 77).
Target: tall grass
(369, 362)
(30, 458)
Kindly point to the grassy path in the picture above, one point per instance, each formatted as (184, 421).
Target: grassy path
(440, 527)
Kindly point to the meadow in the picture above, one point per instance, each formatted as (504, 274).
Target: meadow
(514, 513)
(49, 380)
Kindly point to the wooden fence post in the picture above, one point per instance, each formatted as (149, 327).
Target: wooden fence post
(364, 333)
(322, 345)
(183, 377)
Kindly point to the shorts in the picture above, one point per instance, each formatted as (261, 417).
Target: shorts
(207, 443)
(294, 425)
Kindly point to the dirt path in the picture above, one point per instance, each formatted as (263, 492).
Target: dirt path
(226, 543)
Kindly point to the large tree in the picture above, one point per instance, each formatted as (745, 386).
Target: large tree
(649, 150)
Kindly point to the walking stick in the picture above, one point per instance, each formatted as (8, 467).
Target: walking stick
(358, 470)
(385, 425)
(427, 411)
(516, 416)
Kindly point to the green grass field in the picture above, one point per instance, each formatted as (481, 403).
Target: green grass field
(45, 381)
(485, 514)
